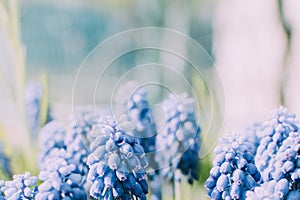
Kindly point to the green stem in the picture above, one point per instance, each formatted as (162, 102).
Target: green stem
(173, 189)
(288, 34)
(177, 190)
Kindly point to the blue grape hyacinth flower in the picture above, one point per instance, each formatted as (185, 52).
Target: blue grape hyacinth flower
(179, 141)
(4, 162)
(234, 171)
(81, 123)
(65, 148)
(280, 124)
(264, 191)
(132, 101)
(23, 186)
(62, 178)
(51, 136)
(33, 96)
(273, 190)
(286, 164)
(252, 135)
(117, 162)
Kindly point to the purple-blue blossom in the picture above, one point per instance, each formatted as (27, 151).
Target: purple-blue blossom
(117, 162)
(23, 186)
(234, 172)
(278, 127)
(178, 143)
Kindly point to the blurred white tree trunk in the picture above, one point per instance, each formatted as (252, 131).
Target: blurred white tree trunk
(291, 9)
(249, 45)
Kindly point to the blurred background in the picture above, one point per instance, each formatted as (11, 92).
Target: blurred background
(255, 46)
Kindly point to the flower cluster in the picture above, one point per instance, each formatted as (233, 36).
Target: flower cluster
(137, 108)
(287, 161)
(33, 95)
(275, 145)
(117, 162)
(179, 140)
(252, 134)
(62, 177)
(81, 124)
(78, 139)
(274, 132)
(21, 187)
(132, 100)
(63, 157)
(4, 162)
(51, 136)
(234, 171)
(269, 190)
(285, 170)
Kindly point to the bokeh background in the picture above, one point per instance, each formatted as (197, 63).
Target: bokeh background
(255, 46)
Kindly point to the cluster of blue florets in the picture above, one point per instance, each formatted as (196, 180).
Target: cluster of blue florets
(23, 186)
(275, 170)
(274, 132)
(272, 190)
(117, 162)
(63, 179)
(63, 157)
(132, 101)
(107, 158)
(4, 162)
(179, 141)
(234, 171)
(33, 96)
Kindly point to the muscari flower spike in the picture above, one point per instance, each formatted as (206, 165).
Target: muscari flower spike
(77, 139)
(117, 162)
(179, 141)
(23, 186)
(33, 95)
(82, 122)
(273, 190)
(274, 132)
(62, 178)
(68, 151)
(132, 100)
(286, 164)
(51, 136)
(234, 171)
(251, 134)
(4, 162)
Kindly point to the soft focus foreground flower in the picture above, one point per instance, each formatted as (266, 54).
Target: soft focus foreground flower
(179, 141)
(21, 187)
(132, 101)
(264, 192)
(62, 176)
(33, 95)
(4, 162)
(117, 162)
(233, 171)
(81, 123)
(286, 164)
(63, 157)
(252, 134)
(275, 131)
(51, 136)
